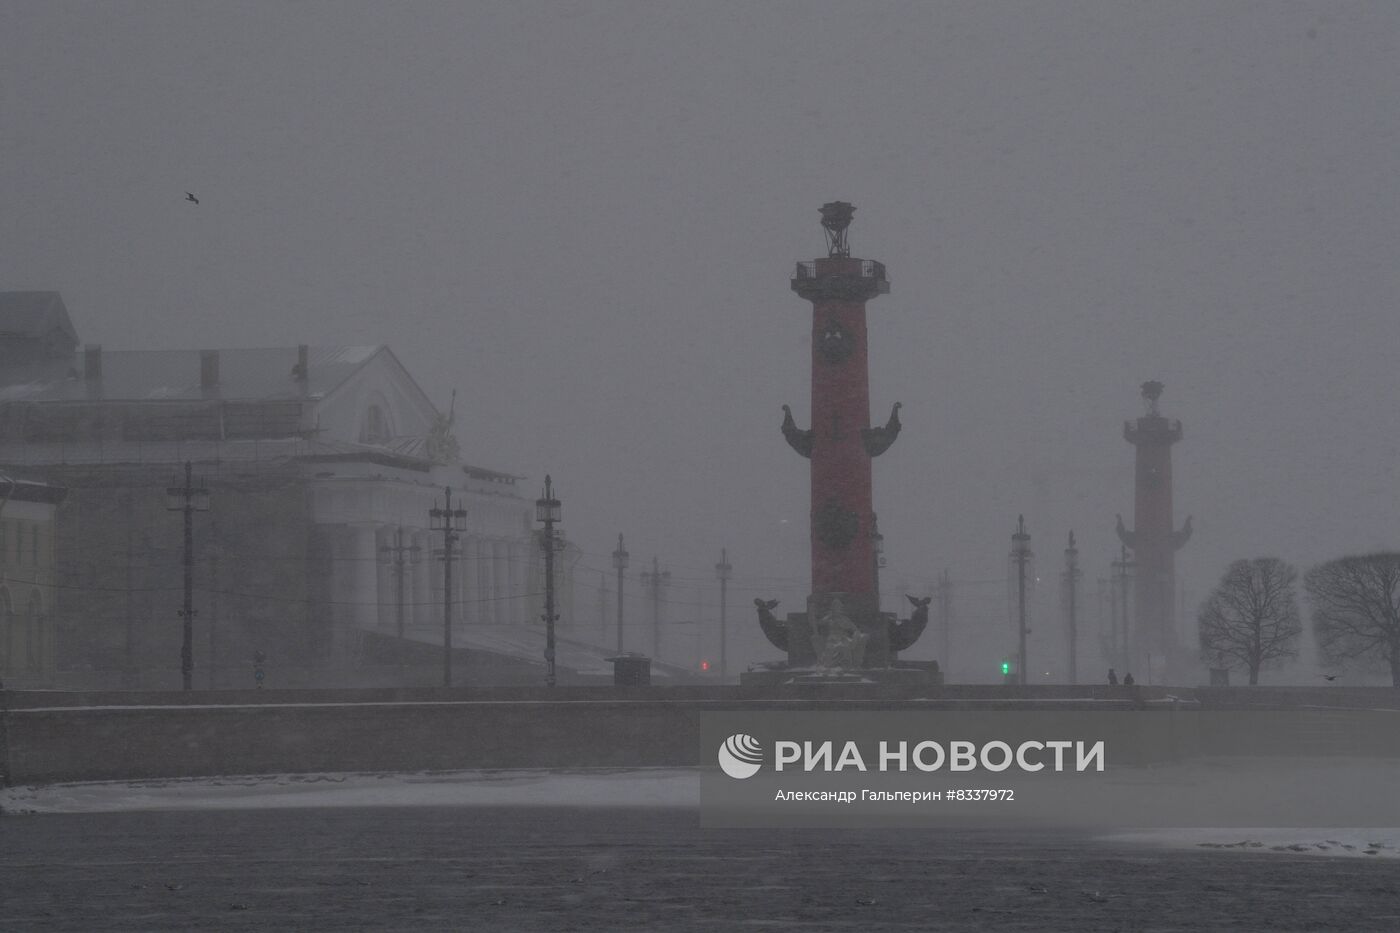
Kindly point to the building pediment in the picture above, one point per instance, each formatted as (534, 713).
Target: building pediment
(378, 404)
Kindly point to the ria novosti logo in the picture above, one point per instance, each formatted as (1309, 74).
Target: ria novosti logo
(740, 756)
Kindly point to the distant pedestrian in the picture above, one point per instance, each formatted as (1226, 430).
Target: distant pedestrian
(1128, 679)
(1112, 677)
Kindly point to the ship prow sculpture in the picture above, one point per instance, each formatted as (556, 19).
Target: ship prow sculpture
(844, 636)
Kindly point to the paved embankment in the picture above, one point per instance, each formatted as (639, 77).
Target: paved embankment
(49, 736)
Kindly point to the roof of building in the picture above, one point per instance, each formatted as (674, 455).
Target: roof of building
(134, 375)
(212, 455)
(34, 314)
(28, 490)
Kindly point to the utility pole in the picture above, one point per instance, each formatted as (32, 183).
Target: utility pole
(1113, 614)
(602, 603)
(1072, 575)
(945, 615)
(441, 520)
(1122, 574)
(402, 556)
(547, 510)
(655, 580)
(1021, 554)
(620, 561)
(724, 570)
(187, 499)
(1101, 588)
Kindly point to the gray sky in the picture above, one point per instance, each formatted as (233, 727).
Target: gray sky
(584, 218)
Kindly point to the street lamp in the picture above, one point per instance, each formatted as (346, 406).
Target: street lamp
(656, 579)
(1021, 557)
(441, 520)
(620, 559)
(724, 570)
(1071, 577)
(548, 510)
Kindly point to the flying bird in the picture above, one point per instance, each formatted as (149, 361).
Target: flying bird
(1329, 677)
(190, 197)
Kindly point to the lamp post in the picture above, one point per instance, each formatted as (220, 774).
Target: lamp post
(188, 499)
(1021, 555)
(1123, 579)
(1071, 577)
(441, 520)
(655, 579)
(724, 571)
(620, 559)
(547, 510)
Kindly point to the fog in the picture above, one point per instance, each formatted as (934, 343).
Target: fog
(583, 219)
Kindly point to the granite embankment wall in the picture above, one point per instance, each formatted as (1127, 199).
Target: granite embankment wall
(49, 737)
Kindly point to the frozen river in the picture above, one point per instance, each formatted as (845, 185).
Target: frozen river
(549, 851)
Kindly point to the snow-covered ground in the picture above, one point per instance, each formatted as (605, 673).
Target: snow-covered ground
(1350, 842)
(644, 787)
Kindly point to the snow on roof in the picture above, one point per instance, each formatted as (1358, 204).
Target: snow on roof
(527, 643)
(252, 374)
(28, 490)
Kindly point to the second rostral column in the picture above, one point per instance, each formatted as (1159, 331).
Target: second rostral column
(843, 618)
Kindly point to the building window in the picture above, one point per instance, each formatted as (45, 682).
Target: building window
(376, 428)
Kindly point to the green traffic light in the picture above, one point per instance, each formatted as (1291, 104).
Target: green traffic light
(1006, 667)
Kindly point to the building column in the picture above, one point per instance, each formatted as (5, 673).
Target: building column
(386, 579)
(346, 595)
(505, 606)
(461, 586)
(365, 567)
(415, 589)
(471, 590)
(485, 592)
(516, 557)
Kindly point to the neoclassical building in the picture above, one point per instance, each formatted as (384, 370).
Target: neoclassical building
(316, 550)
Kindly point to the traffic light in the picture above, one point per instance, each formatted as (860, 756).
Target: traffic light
(704, 665)
(1005, 668)
(1008, 672)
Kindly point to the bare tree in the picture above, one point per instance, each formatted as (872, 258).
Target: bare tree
(1356, 609)
(1251, 619)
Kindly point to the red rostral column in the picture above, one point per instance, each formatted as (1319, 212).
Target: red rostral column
(1153, 539)
(841, 443)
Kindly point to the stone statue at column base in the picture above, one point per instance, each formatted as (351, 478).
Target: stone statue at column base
(842, 634)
